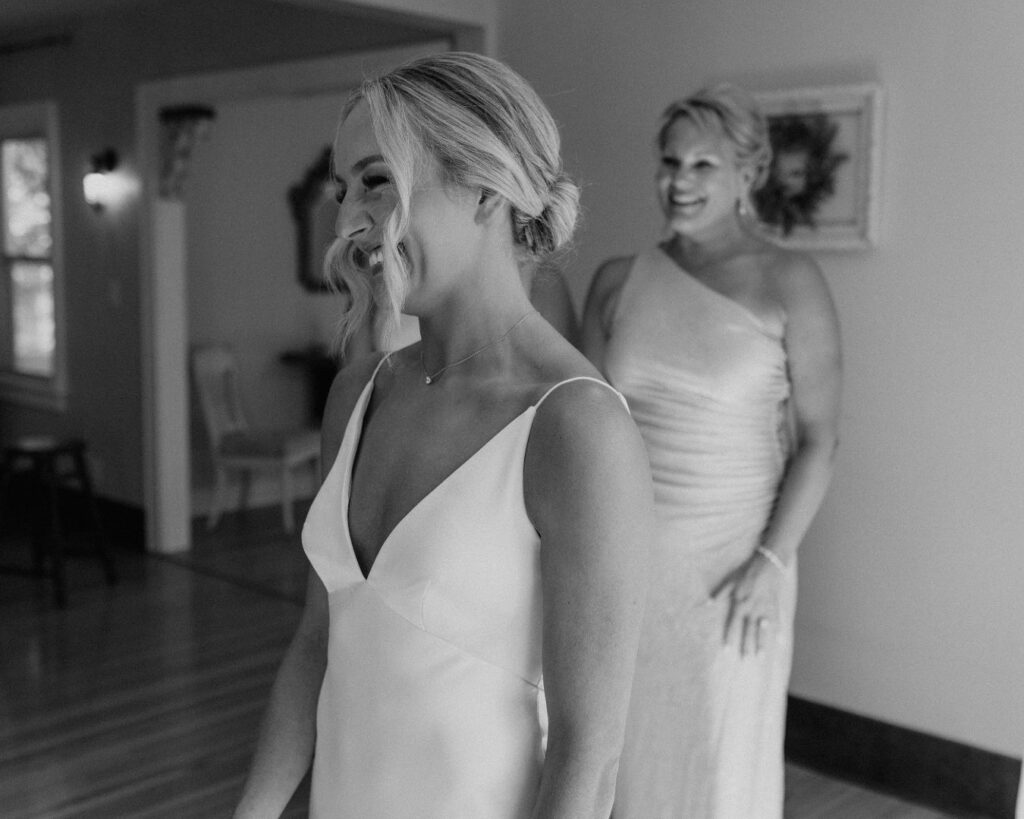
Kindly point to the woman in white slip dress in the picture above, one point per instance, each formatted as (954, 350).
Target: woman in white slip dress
(479, 542)
(727, 350)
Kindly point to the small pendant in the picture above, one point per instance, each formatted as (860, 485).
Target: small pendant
(428, 380)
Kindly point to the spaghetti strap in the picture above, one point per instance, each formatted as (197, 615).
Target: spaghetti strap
(373, 375)
(621, 397)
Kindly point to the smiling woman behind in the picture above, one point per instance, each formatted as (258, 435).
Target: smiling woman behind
(727, 348)
(478, 543)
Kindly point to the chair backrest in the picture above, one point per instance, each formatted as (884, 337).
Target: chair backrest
(216, 378)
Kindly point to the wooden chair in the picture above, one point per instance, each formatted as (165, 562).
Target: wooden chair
(238, 448)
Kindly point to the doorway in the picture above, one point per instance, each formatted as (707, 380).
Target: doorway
(166, 386)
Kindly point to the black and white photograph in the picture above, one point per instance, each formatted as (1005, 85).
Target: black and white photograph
(511, 409)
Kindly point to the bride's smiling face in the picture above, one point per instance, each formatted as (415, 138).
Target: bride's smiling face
(363, 188)
(367, 195)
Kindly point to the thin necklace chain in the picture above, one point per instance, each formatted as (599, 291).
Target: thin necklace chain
(430, 378)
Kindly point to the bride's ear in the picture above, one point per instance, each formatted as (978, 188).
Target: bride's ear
(488, 204)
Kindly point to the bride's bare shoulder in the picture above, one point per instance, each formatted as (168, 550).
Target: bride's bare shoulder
(345, 390)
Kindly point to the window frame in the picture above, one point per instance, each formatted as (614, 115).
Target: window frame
(40, 119)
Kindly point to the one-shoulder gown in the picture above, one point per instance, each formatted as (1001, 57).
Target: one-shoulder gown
(432, 703)
(706, 381)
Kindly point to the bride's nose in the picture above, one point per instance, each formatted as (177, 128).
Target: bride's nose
(354, 220)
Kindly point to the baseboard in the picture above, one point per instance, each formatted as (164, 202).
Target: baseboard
(944, 774)
(265, 490)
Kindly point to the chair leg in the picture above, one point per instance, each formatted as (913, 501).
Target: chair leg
(99, 536)
(287, 513)
(217, 499)
(53, 539)
(39, 518)
(6, 471)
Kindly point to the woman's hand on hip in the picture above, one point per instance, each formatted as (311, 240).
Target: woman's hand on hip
(752, 618)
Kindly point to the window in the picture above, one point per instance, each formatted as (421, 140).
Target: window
(31, 352)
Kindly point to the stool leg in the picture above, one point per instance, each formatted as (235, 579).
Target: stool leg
(39, 521)
(6, 471)
(99, 536)
(54, 542)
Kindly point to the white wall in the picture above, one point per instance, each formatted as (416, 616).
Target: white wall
(242, 284)
(912, 578)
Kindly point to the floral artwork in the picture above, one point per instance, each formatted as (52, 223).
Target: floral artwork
(822, 185)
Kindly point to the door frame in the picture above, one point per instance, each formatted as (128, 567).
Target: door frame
(163, 262)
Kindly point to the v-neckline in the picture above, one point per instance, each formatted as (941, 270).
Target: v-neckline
(761, 323)
(356, 427)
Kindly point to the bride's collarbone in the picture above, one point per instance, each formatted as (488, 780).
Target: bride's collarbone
(432, 436)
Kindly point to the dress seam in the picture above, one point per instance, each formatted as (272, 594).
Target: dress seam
(420, 627)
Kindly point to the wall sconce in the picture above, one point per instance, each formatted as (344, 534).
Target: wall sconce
(98, 184)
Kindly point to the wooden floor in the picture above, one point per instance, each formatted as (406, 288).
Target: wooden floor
(143, 700)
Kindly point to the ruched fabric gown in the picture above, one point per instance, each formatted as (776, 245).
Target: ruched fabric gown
(432, 703)
(707, 384)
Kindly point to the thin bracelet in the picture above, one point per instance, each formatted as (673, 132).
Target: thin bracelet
(771, 557)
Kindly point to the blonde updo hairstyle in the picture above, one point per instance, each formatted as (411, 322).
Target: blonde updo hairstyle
(485, 128)
(730, 112)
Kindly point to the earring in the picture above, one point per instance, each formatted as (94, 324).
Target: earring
(742, 208)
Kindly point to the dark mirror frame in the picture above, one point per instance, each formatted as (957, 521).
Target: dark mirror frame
(315, 212)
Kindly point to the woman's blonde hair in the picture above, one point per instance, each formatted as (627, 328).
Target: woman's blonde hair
(733, 113)
(485, 128)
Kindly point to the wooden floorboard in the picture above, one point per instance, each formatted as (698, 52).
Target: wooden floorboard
(143, 700)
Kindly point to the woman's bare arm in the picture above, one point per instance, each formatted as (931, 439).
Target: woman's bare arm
(815, 368)
(589, 494)
(815, 371)
(599, 309)
(288, 731)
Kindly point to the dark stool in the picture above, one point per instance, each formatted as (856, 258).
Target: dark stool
(53, 463)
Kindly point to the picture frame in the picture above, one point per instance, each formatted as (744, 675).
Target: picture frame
(822, 188)
(315, 213)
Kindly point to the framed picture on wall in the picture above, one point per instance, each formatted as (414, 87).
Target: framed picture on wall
(823, 185)
(315, 213)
